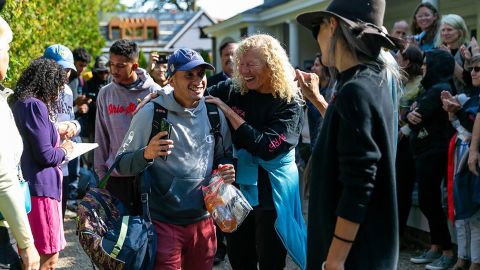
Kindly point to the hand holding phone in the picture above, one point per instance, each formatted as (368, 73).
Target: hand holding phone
(160, 145)
(165, 126)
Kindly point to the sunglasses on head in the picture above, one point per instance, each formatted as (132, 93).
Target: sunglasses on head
(476, 69)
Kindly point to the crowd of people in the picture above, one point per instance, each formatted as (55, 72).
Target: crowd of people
(380, 112)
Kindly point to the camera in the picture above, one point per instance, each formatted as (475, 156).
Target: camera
(162, 59)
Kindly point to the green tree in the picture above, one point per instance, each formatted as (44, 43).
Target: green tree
(142, 60)
(157, 5)
(40, 23)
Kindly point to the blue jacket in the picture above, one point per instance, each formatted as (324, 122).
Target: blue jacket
(283, 175)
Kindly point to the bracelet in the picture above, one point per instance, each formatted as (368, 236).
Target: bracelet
(343, 239)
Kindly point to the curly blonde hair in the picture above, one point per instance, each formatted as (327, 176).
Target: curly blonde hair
(282, 74)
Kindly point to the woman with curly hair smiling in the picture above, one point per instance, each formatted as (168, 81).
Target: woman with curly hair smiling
(264, 107)
(35, 110)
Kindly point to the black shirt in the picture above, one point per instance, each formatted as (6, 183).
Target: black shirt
(272, 127)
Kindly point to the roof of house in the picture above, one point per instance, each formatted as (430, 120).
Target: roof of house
(171, 25)
(264, 6)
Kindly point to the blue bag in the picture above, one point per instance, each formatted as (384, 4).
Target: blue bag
(26, 192)
(112, 238)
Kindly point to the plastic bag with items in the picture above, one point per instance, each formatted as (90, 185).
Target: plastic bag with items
(225, 203)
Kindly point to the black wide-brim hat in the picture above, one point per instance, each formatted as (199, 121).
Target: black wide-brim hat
(364, 18)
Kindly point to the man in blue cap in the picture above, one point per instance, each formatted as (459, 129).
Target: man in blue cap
(67, 126)
(185, 231)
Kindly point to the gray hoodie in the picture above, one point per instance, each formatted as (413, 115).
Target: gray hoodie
(176, 195)
(115, 106)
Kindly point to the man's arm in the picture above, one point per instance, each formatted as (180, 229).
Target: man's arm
(102, 138)
(140, 151)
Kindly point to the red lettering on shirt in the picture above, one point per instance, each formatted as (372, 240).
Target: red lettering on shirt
(118, 109)
(276, 142)
(238, 111)
(130, 108)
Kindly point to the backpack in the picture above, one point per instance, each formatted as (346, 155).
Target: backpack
(112, 238)
(213, 117)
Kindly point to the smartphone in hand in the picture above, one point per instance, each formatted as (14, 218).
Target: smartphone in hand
(165, 126)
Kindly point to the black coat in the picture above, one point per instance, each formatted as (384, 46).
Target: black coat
(432, 135)
(215, 79)
(353, 173)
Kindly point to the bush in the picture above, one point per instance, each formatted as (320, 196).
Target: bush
(40, 23)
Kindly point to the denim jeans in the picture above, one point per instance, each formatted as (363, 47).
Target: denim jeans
(468, 238)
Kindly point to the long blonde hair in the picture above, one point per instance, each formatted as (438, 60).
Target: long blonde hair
(282, 74)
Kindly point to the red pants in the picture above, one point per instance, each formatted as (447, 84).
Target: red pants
(185, 247)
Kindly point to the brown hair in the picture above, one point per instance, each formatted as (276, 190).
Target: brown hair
(432, 31)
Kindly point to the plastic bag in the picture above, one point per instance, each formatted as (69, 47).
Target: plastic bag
(225, 203)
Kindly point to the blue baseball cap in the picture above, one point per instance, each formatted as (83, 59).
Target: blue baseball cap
(60, 54)
(185, 59)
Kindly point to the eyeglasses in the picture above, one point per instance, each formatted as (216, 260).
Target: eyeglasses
(476, 69)
(423, 15)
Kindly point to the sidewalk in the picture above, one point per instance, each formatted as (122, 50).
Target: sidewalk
(74, 258)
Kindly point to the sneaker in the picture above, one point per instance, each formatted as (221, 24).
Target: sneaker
(442, 263)
(426, 257)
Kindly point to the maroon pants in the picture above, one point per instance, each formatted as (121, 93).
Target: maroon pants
(188, 247)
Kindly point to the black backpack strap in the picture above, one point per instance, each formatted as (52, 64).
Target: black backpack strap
(159, 113)
(214, 119)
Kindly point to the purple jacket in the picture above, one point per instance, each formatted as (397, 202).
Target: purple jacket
(40, 159)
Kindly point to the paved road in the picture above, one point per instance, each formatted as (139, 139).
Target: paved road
(73, 257)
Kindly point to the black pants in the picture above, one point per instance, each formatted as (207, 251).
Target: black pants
(65, 188)
(430, 170)
(8, 253)
(405, 169)
(256, 241)
(125, 189)
(221, 247)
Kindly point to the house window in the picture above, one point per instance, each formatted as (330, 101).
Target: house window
(139, 33)
(128, 33)
(244, 32)
(116, 33)
(151, 33)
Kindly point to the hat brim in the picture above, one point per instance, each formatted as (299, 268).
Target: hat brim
(311, 20)
(193, 64)
(66, 64)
